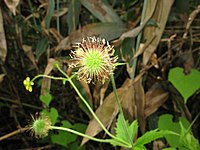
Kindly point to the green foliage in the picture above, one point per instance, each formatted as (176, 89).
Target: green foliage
(64, 138)
(46, 99)
(187, 140)
(52, 114)
(165, 123)
(132, 129)
(67, 139)
(120, 133)
(50, 13)
(151, 136)
(41, 47)
(185, 84)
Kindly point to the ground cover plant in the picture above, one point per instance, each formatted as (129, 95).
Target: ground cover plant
(105, 74)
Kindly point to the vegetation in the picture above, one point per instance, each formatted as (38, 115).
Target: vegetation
(106, 74)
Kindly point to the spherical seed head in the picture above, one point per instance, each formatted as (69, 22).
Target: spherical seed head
(95, 59)
(40, 126)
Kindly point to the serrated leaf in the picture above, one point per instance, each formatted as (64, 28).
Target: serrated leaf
(151, 136)
(133, 128)
(187, 85)
(52, 114)
(120, 132)
(46, 99)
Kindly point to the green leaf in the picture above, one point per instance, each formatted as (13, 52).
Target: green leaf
(133, 128)
(46, 99)
(64, 138)
(187, 140)
(150, 136)
(73, 15)
(120, 133)
(41, 47)
(187, 85)
(50, 12)
(165, 123)
(80, 127)
(52, 114)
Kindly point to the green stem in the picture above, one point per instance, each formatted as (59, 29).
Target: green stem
(89, 108)
(120, 110)
(50, 77)
(80, 134)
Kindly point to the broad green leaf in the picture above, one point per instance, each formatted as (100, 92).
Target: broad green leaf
(64, 138)
(165, 123)
(52, 114)
(187, 85)
(46, 99)
(76, 146)
(80, 127)
(41, 47)
(150, 136)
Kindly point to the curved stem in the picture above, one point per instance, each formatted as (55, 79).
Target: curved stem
(89, 108)
(80, 134)
(120, 110)
(50, 77)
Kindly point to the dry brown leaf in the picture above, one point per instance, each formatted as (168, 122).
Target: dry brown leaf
(12, 5)
(160, 15)
(2, 77)
(155, 98)
(87, 90)
(135, 31)
(28, 51)
(3, 46)
(94, 29)
(46, 82)
(140, 104)
(107, 111)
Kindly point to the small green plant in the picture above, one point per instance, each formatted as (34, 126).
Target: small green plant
(183, 139)
(187, 85)
(94, 58)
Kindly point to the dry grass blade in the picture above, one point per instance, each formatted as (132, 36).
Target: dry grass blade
(3, 46)
(103, 11)
(153, 34)
(107, 111)
(46, 82)
(140, 104)
(12, 4)
(28, 51)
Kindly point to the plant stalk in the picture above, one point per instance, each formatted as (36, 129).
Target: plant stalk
(120, 110)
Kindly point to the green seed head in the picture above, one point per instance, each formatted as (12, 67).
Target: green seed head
(40, 126)
(95, 59)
